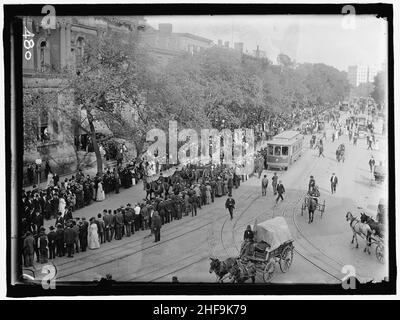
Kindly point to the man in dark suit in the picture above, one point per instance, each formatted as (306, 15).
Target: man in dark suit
(119, 224)
(274, 182)
(69, 238)
(60, 241)
(230, 205)
(43, 245)
(39, 220)
(83, 234)
(334, 182)
(29, 249)
(107, 223)
(281, 190)
(51, 237)
(156, 226)
(129, 219)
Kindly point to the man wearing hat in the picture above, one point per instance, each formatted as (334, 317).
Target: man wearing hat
(43, 245)
(311, 183)
(274, 182)
(69, 238)
(60, 240)
(83, 233)
(107, 223)
(334, 182)
(230, 205)
(51, 237)
(156, 226)
(119, 224)
(281, 190)
(28, 249)
(129, 218)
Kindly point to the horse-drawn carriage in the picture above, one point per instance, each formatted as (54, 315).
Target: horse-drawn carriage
(312, 199)
(340, 153)
(272, 243)
(371, 231)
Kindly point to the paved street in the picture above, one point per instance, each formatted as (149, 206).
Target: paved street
(321, 248)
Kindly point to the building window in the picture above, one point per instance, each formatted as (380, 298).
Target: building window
(44, 56)
(79, 49)
(44, 134)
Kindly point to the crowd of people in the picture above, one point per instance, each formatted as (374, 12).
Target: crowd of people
(167, 199)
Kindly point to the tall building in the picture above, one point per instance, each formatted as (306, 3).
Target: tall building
(362, 74)
(166, 45)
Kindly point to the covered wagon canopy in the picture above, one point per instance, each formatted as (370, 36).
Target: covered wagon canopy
(274, 232)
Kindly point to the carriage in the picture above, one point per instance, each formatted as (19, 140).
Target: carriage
(319, 206)
(340, 153)
(272, 244)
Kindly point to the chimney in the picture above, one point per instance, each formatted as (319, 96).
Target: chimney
(165, 28)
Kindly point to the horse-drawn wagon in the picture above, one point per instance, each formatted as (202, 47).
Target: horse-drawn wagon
(369, 230)
(310, 200)
(272, 244)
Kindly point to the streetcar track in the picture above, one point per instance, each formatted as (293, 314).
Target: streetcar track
(135, 242)
(133, 253)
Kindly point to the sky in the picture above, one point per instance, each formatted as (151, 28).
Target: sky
(331, 39)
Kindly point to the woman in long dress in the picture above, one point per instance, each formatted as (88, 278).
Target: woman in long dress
(50, 181)
(61, 206)
(100, 192)
(93, 236)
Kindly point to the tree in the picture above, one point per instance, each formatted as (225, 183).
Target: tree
(109, 86)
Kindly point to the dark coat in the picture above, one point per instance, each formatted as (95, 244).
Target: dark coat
(69, 236)
(280, 188)
(230, 203)
(51, 237)
(156, 222)
(29, 245)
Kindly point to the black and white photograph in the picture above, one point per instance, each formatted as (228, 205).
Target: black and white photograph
(237, 147)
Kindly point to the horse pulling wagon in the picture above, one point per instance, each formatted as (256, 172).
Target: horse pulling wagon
(272, 244)
(369, 230)
(312, 201)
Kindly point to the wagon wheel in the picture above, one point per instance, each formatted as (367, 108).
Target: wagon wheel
(286, 258)
(269, 270)
(379, 252)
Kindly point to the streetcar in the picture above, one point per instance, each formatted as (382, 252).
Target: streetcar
(362, 126)
(284, 149)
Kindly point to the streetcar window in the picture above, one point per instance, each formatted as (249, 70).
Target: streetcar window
(278, 150)
(285, 151)
(270, 150)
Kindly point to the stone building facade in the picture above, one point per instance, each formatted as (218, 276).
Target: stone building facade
(54, 55)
